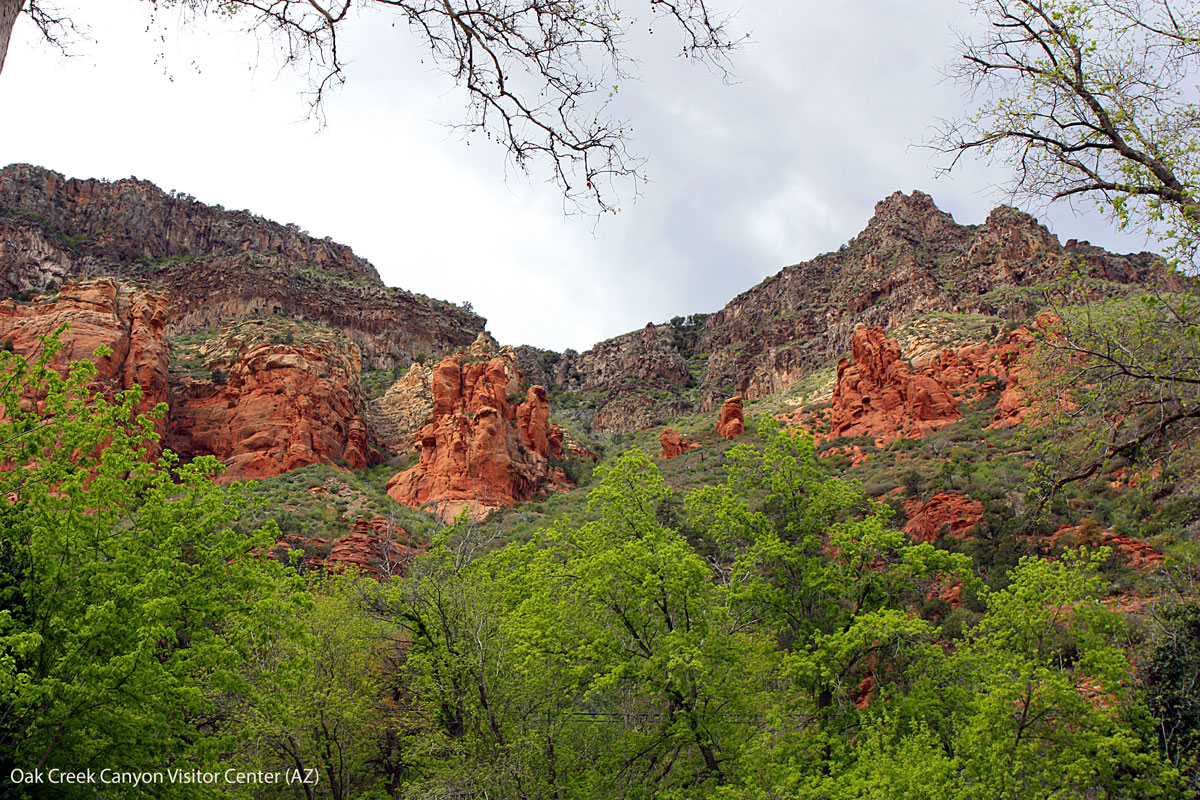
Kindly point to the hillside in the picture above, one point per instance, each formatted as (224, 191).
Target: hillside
(800, 547)
(911, 259)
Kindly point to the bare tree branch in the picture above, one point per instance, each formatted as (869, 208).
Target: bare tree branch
(538, 75)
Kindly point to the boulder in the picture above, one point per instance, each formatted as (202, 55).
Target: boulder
(673, 443)
(732, 422)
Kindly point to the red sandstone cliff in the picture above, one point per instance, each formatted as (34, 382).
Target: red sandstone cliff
(129, 321)
(273, 407)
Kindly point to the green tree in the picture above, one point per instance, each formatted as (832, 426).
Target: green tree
(125, 598)
(317, 700)
(1171, 681)
(1088, 99)
(598, 661)
(1092, 100)
(811, 557)
(1035, 703)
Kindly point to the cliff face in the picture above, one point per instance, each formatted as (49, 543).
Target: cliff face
(131, 220)
(271, 406)
(54, 228)
(129, 321)
(911, 259)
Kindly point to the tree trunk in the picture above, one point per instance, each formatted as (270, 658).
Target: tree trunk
(9, 9)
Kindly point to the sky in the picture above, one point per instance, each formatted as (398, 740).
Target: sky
(828, 112)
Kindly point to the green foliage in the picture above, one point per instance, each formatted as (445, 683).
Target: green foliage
(1034, 703)
(1172, 690)
(125, 597)
(314, 700)
(594, 661)
(1120, 381)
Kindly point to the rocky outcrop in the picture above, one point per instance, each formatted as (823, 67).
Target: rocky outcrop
(376, 546)
(878, 395)
(533, 421)
(53, 228)
(396, 417)
(978, 368)
(910, 259)
(732, 422)
(271, 407)
(944, 513)
(672, 443)
(30, 259)
(1089, 533)
(478, 451)
(129, 321)
(357, 454)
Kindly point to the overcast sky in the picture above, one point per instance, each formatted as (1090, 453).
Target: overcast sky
(831, 104)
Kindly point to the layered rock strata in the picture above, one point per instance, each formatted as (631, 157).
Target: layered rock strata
(128, 320)
(53, 228)
(376, 546)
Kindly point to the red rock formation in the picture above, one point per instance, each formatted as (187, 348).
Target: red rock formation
(478, 451)
(866, 688)
(732, 422)
(281, 407)
(1012, 366)
(1088, 532)
(673, 443)
(945, 511)
(129, 321)
(952, 594)
(878, 395)
(357, 451)
(533, 420)
(376, 546)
